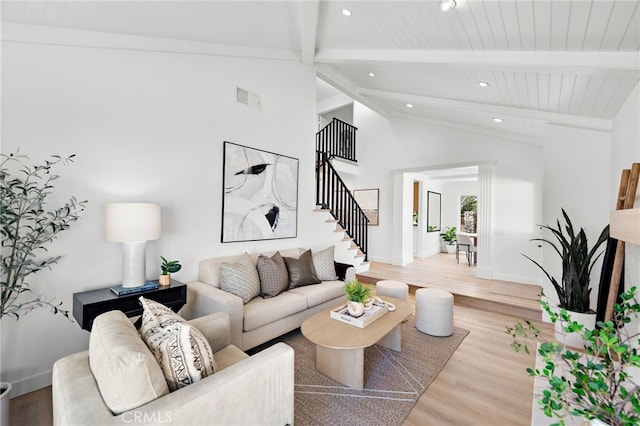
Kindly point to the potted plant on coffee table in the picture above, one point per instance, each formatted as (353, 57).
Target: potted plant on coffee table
(27, 226)
(573, 288)
(357, 295)
(168, 267)
(600, 384)
(450, 236)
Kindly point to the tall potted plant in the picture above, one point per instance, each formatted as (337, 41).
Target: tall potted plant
(573, 289)
(27, 226)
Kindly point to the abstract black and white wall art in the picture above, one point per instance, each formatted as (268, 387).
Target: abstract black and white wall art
(260, 200)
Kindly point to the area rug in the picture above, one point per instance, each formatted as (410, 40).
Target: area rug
(394, 381)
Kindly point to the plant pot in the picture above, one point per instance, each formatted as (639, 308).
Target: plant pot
(356, 309)
(5, 396)
(573, 339)
(451, 248)
(164, 279)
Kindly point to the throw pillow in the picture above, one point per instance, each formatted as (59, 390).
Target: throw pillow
(182, 351)
(240, 278)
(274, 278)
(301, 270)
(117, 355)
(323, 263)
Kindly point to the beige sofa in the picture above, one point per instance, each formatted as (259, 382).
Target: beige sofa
(260, 320)
(243, 390)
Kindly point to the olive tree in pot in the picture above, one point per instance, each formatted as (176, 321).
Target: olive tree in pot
(28, 225)
(573, 288)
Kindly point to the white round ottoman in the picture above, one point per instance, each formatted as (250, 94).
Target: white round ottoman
(434, 312)
(396, 289)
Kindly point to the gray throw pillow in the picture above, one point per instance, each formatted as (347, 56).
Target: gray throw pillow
(324, 265)
(240, 278)
(274, 278)
(301, 270)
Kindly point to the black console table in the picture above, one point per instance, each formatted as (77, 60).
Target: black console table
(87, 305)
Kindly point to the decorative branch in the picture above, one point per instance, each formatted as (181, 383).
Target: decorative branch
(27, 227)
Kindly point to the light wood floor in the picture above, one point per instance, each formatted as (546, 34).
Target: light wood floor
(484, 382)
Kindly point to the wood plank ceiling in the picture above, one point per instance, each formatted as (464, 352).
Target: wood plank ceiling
(571, 62)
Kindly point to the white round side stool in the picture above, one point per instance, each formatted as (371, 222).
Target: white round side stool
(434, 312)
(396, 289)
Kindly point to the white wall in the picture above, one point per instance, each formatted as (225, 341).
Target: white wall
(451, 192)
(576, 178)
(386, 146)
(145, 127)
(625, 150)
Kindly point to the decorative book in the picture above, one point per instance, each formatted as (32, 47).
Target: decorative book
(342, 314)
(118, 290)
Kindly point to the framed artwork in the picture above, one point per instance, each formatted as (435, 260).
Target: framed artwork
(260, 195)
(369, 200)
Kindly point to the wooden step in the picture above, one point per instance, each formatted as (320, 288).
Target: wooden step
(442, 271)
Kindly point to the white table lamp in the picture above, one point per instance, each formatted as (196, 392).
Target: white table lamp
(133, 224)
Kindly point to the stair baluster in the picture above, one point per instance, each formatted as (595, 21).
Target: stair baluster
(333, 194)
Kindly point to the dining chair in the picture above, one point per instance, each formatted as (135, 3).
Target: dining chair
(465, 241)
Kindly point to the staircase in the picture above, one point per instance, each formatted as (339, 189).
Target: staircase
(338, 140)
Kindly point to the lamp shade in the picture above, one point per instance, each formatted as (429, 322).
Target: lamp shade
(129, 222)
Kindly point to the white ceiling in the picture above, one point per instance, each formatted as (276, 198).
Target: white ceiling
(571, 62)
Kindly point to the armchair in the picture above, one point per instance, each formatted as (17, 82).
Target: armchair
(245, 390)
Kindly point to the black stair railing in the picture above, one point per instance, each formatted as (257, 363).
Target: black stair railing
(333, 194)
(337, 139)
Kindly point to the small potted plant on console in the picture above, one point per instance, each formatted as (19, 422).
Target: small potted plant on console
(168, 268)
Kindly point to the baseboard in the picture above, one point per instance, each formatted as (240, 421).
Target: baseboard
(401, 260)
(30, 384)
(484, 273)
(379, 259)
(427, 254)
(517, 279)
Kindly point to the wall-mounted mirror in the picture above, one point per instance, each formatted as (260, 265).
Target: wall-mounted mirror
(434, 201)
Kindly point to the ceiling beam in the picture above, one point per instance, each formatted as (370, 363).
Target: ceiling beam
(310, 12)
(481, 130)
(544, 116)
(620, 61)
(36, 34)
(339, 82)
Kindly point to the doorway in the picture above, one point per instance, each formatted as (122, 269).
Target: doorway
(453, 182)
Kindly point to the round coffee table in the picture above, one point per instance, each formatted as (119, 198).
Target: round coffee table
(340, 347)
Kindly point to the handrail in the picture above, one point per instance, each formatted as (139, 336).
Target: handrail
(333, 194)
(338, 139)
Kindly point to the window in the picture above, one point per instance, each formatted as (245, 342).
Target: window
(469, 213)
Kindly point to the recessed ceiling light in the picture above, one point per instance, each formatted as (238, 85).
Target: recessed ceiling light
(447, 4)
(346, 12)
(483, 84)
(409, 105)
(497, 119)
(372, 74)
